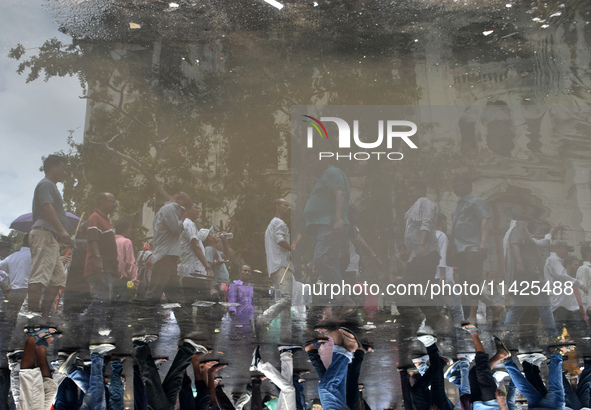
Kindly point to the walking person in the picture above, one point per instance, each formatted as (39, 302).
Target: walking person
(48, 233)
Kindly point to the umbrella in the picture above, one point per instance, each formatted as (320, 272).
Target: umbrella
(24, 223)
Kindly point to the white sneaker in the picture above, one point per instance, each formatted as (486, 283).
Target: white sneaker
(536, 359)
(199, 349)
(467, 356)
(101, 349)
(524, 357)
(427, 340)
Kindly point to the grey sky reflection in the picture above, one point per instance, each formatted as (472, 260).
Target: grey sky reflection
(35, 118)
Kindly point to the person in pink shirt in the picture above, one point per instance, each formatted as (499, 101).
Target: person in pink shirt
(125, 257)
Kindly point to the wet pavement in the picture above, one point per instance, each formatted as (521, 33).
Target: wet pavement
(201, 92)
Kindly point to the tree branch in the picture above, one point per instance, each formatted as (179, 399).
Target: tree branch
(150, 176)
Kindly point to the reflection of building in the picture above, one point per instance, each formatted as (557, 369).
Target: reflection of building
(522, 127)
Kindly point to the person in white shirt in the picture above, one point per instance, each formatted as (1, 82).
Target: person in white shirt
(584, 276)
(18, 268)
(564, 304)
(278, 252)
(194, 269)
(445, 273)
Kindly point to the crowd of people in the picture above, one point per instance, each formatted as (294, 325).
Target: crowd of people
(185, 269)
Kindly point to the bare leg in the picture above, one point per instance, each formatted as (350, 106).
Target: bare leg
(34, 294)
(49, 299)
(28, 360)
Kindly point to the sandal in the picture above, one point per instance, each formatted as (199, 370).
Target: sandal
(41, 334)
(470, 328)
(499, 344)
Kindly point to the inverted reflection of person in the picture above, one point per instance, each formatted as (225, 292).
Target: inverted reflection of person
(421, 242)
(18, 269)
(48, 274)
(523, 262)
(584, 275)
(196, 274)
(217, 260)
(483, 386)
(470, 235)
(168, 228)
(326, 214)
(278, 250)
(445, 273)
(564, 305)
(101, 268)
(125, 258)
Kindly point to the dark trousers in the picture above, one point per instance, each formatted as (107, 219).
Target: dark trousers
(482, 383)
(186, 399)
(4, 389)
(67, 396)
(139, 390)
(571, 320)
(162, 396)
(223, 401)
(353, 379)
(165, 280)
(532, 374)
(405, 387)
(256, 402)
(422, 397)
(300, 395)
(317, 363)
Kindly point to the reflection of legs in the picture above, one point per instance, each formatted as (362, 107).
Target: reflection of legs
(514, 315)
(96, 389)
(584, 386)
(139, 390)
(116, 390)
(186, 399)
(532, 374)
(316, 361)
(529, 392)
(300, 395)
(436, 379)
(224, 403)
(67, 395)
(353, 378)
(282, 380)
(405, 385)
(511, 390)
(174, 378)
(257, 400)
(245, 398)
(329, 245)
(332, 387)
(547, 319)
(282, 280)
(555, 397)
(203, 398)
(155, 397)
(4, 388)
(570, 398)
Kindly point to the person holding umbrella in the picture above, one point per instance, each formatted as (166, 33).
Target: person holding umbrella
(48, 274)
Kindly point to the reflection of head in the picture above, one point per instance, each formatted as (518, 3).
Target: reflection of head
(282, 207)
(54, 167)
(245, 272)
(572, 263)
(586, 253)
(183, 199)
(106, 202)
(52, 161)
(561, 248)
(122, 226)
(462, 184)
(417, 189)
